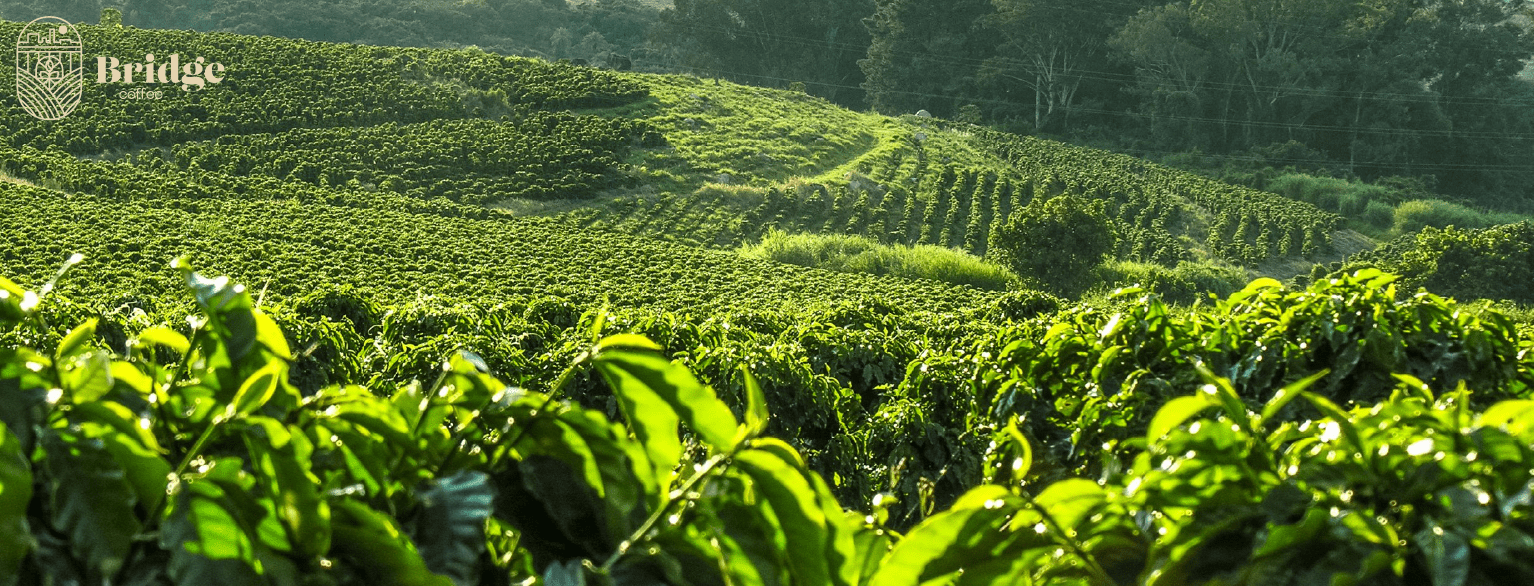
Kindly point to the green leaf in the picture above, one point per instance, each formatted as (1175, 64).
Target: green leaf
(652, 419)
(1288, 393)
(92, 502)
(639, 378)
(1069, 501)
(120, 418)
(626, 341)
(375, 546)
(207, 541)
(15, 492)
(1517, 417)
(756, 405)
(376, 416)
(77, 341)
(751, 545)
(969, 533)
(269, 335)
(872, 547)
(257, 390)
(1020, 466)
(165, 337)
(216, 295)
(450, 528)
(841, 549)
(793, 501)
(1174, 413)
(281, 458)
(130, 381)
(1447, 555)
(87, 376)
(147, 472)
(1341, 418)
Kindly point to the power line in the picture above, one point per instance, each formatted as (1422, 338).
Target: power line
(1115, 77)
(1237, 123)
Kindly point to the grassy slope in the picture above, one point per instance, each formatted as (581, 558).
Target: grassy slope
(758, 140)
(731, 151)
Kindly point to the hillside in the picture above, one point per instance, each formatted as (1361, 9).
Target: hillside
(674, 158)
(363, 316)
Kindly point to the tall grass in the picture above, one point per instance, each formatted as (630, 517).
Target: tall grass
(860, 254)
(1414, 215)
(1353, 200)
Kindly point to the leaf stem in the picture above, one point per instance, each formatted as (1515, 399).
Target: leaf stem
(671, 499)
(1093, 567)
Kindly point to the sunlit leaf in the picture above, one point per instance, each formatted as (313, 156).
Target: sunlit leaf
(15, 493)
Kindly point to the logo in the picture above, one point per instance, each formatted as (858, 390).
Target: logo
(50, 77)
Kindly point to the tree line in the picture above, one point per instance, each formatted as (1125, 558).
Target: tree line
(1371, 89)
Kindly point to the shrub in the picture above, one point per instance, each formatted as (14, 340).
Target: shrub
(1415, 215)
(1058, 242)
(860, 254)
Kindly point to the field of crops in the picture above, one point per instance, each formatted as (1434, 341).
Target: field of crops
(769, 160)
(300, 328)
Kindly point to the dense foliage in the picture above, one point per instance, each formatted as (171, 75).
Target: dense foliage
(1485, 263)
(1056, 241)
(536, 155)
(341, 86)
(191, 458)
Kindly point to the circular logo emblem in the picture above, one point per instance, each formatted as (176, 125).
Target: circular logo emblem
(50, 76)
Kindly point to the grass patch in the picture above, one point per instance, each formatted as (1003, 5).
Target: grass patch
(860, 254)
(1413, 216)
(1183, 284)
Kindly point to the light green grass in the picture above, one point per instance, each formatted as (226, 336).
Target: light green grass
(858, 254)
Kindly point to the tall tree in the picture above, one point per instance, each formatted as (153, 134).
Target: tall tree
(1047, 46)
(774, 42)
(924, 54)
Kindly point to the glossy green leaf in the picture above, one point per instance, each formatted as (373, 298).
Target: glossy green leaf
(147, 472)
(77, 341)
(968, 533)
(280, 457)
(1174, 413)
(114, 415)
(257, 389)
(450, 528)
(1071, 500)
(872, 547)
(752, 545)
(207, 541)
(91, 500)
(756, 405)
(269, 335)
(841, 548)
(375, 546)
(1340, 418)
(164, 337)
(87, 375)
(1517, 417)
(642, 378)
(625, 341)
(1289, 393)
(15, 493)
(793, 500)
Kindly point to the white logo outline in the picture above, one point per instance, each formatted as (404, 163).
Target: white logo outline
(50, 68)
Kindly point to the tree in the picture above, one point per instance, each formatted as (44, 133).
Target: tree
(773, 42)
(1058, 242)
(923, 54)
(1046, 45)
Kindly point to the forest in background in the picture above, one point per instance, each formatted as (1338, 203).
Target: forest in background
(1427, 94)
